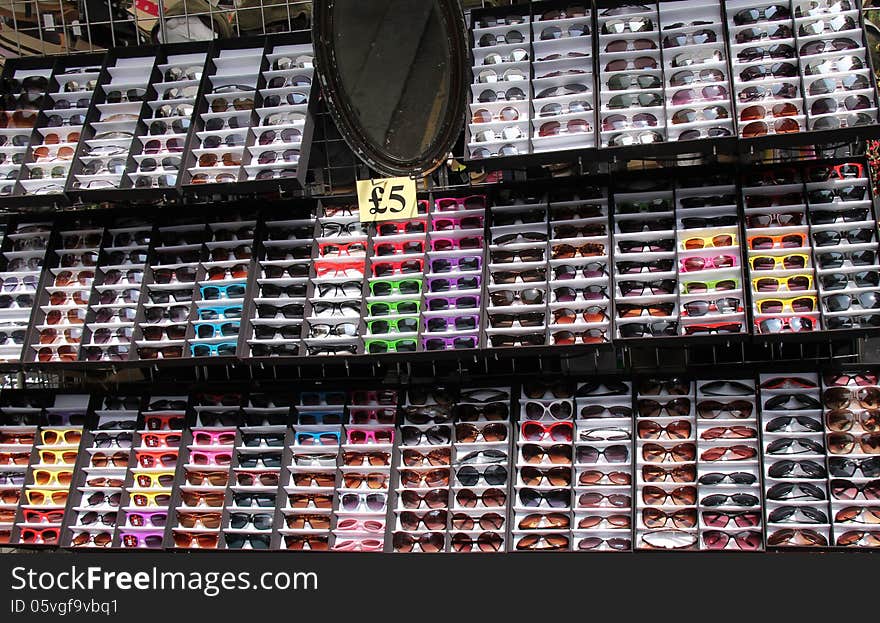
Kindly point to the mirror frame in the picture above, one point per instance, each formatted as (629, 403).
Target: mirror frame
(344, 115)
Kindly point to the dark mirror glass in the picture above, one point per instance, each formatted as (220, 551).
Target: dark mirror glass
(394, 72)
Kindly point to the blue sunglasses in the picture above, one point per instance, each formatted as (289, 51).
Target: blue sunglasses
(325, 438)
(210, 350)
(207, 330)
(220, 313)
(229, 291)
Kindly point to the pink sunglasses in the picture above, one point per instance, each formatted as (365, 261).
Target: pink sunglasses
(356, 545)
(447, 223)
(697, 263)
(216, 457)
(214, 438)
(356, 525)
(474, 202)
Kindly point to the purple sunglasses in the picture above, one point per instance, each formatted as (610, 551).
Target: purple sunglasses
(150, 540)
(450, 343)
(442, 303)
(156, 519)
(452, 323)
(450, 244)
(446, 284)
(447, 223)
(465, 263)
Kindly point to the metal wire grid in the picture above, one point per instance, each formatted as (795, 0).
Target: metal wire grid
(49, 27)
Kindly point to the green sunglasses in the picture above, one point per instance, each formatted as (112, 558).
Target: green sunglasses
(382, 308)
(403, 345)
(384, 287)
(400, 325)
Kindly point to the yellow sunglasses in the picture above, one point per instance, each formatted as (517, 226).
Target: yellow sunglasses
(62, 477)
(61, 436)
(53, 457)
(793, 261)
(705, 242)
(46, 497)
(777, 284)
(796, 304)
(147, 498)
(156, 480)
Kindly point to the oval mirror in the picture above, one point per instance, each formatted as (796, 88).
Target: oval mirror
(394, 73)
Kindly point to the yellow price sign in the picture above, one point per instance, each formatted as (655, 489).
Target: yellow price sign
(388, 199)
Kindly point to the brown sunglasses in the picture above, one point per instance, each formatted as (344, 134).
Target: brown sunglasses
(228, 160)
(205, 520)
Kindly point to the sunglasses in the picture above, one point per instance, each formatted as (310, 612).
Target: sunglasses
(284, 118)
(212, 478)
(485, 542)
(840, 281)
(99, 497)
(145, 459)
(797, 469)
(294, 98)
(554, 498)
(848, 490)
(46, 536)
(91, 518)
(202, 540)
(248, 499)
(209, 520)
(549, 542)
(778, 306)
(842, 379)
(840, 466)
(845, 443)
(317, 500)
(857, 515)
(843, 302)
(428, 542)
(321, 543)
(803, 491)
(834, 237)
(100, 539)
(436, 435)
(150, 499)
(779, 325)
(164, 440)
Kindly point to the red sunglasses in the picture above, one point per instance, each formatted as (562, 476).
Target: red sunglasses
(386, 269)
(166, 421)
(46, 536)
(32, 516)
(718, 327)
(557, 431)
(840, 172)
(399, 248)
(342, 248)
(155, 459)
(340, 269)
(161, 440)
